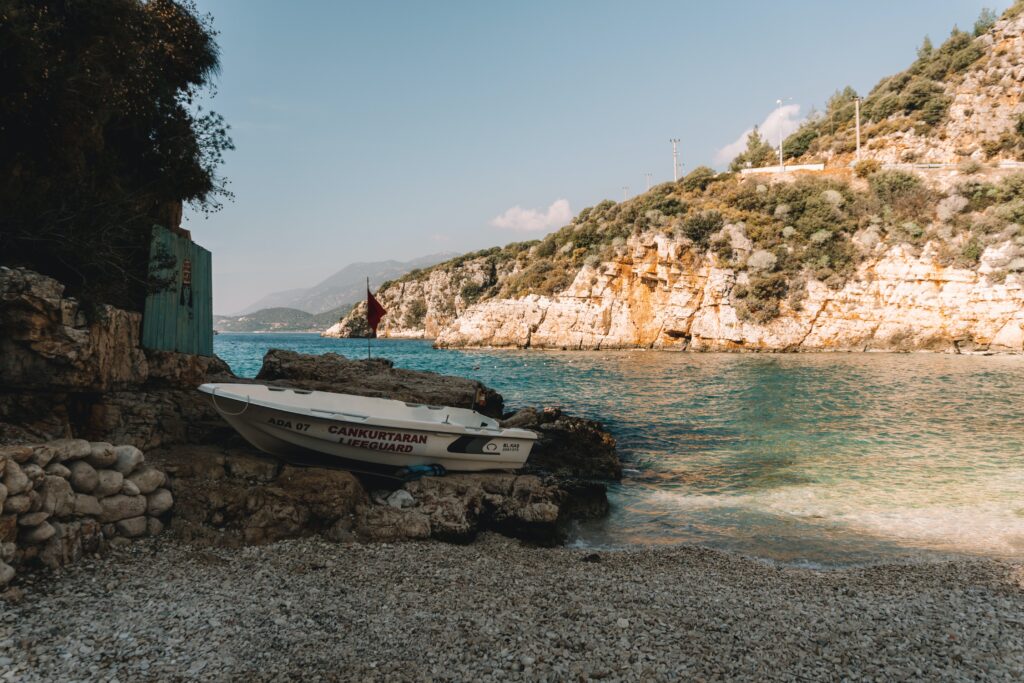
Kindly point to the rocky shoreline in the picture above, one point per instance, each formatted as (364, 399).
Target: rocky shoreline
(65, 373)
(499, 610)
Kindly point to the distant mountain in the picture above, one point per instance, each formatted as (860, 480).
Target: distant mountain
(279, 320)
(345, 287)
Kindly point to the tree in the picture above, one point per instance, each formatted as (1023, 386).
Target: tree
(926, 49)
(758, 153)
(986, 20)
(101, 137)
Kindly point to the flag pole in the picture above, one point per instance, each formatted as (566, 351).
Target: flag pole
(368, 330)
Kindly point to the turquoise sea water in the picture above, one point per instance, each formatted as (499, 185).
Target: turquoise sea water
(824, 459)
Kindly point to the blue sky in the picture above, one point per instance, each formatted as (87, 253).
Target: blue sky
(390, 130)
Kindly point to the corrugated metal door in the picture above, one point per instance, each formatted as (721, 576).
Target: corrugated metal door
(179, 317)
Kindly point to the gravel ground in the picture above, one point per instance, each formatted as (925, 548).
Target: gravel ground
(312, 610)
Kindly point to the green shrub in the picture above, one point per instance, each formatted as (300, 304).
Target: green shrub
(698, 179)
(758, 301)
(797, 144)
(889, 186)
(934, 110)
(867, 167)
(971, 252)
(986, 20)
(415, 314)
(700, 226)
(670, 207)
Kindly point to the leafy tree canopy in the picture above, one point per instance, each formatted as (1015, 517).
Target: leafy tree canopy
(758, 153)
(101, 135)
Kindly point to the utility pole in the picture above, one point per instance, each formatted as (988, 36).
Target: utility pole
(856, 104)
(648, 175)
(675, 159)
(625, 192)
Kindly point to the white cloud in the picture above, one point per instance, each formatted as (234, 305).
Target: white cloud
(518, 218)
(784, 120)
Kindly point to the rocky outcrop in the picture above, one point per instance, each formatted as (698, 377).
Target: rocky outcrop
(234, 496)
(377, 377)
(421, 305)
(65, 370)
(62, 499)
(568, 446)
(661, 296)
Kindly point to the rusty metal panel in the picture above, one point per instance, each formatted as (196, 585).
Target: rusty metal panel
(179, 316)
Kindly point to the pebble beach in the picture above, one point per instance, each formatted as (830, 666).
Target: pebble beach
(499, 610)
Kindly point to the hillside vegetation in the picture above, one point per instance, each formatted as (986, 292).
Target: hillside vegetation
(279, 320)
(956, 101)
(779, 233)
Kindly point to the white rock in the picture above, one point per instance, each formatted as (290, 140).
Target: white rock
(69, 449)
(15, 479)
(110, 482)
(37, 534)
(6, 574)
(84, 478)
(154, 526)
(118, 507)
(58, 470)
(159, 502)
(131, 527)
(148, 479)
(86, 505)
(7, 551)
(17, 504)
(101, 454)
(128, 459)
(129, 488)
(57, 497)
(401, 499)
(33, 518)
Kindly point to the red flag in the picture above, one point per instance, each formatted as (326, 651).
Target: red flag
(374, 311)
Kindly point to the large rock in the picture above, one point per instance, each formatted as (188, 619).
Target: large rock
(116, 508)
(101, 455)
(49, 341)
(376, 377)
(58, 498)
(147, 480)
(568, 446)
(129, 458)
(158, 502)
(109, 483)
(15, 479)
(84, 478)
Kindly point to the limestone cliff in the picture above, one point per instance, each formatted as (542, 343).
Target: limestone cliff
(897, 301)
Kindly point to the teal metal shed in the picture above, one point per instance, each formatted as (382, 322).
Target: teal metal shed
(179, 312)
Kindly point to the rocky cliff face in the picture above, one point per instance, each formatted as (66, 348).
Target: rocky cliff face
(661, 297)
(421, 305)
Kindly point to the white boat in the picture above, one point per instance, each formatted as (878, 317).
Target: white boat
(295, 423)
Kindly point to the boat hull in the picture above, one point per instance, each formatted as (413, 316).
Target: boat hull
(292, 437)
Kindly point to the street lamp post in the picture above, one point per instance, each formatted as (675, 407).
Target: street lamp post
(782, 165)
(675, 159)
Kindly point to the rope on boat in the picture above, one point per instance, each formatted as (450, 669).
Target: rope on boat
(213, 395)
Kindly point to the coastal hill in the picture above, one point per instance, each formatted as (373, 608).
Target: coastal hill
(883, 256)
(958, 100)
(278, 320)
(343, 288)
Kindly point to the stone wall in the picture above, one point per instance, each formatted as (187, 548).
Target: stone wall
(62, 499)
